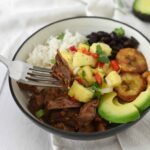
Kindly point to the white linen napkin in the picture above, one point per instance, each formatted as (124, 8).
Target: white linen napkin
(18, 20)
(3, 72)
(104, 8)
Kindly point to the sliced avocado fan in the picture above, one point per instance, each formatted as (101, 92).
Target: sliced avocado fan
(115, 112)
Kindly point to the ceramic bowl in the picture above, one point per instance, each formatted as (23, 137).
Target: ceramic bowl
(84, 25)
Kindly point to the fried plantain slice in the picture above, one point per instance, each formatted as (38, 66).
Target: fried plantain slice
(146, 76)
(131, 86)
(131, 60)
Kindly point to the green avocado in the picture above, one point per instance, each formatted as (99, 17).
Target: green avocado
(114, 112)
(141, 9)
(143, 100)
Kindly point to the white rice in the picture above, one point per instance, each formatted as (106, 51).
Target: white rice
(42, 54)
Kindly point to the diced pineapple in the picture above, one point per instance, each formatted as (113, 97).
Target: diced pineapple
(93, 47)
(86, 74)
(80, 93)
(105, 48)
(100, 71)
(107, 68)
(68, 57)
(113, 79)
(80, 59)
(104, 85)
(83, 46)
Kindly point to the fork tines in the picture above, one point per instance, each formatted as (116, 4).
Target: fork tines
(42, 77)
(41, 69)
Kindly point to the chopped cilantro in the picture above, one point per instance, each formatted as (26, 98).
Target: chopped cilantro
(102, 57)
(40, 113)
(83, 74)
(97, 92)
(99, 50)
(61, 36)
(119, 32)
(53, 61)
(95, 86)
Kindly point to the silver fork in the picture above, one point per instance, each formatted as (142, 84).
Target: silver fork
(29, 74)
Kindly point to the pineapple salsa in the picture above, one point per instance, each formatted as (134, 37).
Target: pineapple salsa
(92, 81)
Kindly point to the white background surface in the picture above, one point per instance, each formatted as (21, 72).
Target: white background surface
(19, 19)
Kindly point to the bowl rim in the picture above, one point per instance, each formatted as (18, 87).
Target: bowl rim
(75, 135)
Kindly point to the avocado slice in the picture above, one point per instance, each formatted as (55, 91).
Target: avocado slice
(114, 112)
(143, 100)
(141, 9)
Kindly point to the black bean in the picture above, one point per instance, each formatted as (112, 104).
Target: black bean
(124, 38)
(119, 46)
(105, 39)
(134, 42)
(93, 39)
(92, 34)
(127, 43)
(115, 42)
(115, 48)
(102, 34)
(113, 35)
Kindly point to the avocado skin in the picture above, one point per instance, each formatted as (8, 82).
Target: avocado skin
(143, 16)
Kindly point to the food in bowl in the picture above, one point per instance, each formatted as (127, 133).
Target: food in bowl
(105, 80)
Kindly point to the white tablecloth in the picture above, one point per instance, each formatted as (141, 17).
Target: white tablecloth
(18, 20)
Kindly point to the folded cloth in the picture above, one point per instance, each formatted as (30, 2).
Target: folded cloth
(59, 143)
(19, 19)
(104, 8)
(136, 137)
(3, 74)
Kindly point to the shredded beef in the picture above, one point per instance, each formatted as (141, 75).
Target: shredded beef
(61, 70)
(57, 98)
(36, 102)
(62, 126)
(28, 88)
(87, 113)
(54, 93)
(62, 102)
(100, 124)
(87, 128)
(65, 119)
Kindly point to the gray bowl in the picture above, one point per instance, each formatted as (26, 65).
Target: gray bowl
(84, 25)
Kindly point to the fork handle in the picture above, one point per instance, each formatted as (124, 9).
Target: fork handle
(5, 61)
